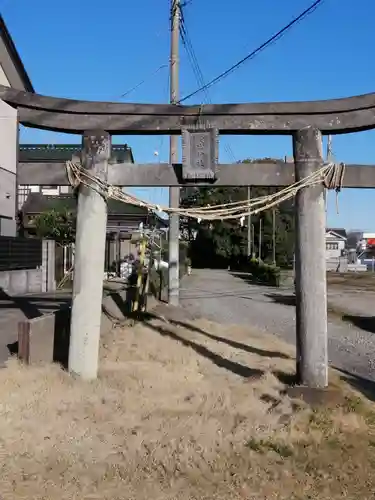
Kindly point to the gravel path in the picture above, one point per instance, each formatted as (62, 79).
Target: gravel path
(221, 297)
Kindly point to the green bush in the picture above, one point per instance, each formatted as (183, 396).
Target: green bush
(262, 272)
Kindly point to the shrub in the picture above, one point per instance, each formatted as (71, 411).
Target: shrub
(262, 272)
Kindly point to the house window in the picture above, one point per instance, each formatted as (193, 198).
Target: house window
(332, 246)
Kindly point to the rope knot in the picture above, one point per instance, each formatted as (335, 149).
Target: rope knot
(334, 176)
(72, 171)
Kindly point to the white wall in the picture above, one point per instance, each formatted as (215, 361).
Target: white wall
(3, 78)
(333, 253)
(8, 164)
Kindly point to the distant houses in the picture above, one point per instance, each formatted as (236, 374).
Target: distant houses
(336, 239)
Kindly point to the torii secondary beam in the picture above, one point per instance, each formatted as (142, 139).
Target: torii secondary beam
(258, 173)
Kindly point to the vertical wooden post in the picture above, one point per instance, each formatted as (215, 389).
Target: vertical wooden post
(310, 265)
(89, 260)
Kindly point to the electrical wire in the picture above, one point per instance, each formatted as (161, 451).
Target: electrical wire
(186, 41)
(148, 77)
(255, 52)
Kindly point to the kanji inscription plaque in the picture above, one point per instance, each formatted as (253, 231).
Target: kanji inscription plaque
(199, 154)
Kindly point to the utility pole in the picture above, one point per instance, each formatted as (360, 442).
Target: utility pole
(274, 236)
(328, 159)
(329, 148)
(174, 192)
(249, 223)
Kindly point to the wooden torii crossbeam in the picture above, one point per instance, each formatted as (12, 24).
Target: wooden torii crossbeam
(199, 126)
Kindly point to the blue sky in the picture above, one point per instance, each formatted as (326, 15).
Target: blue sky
(89, 49)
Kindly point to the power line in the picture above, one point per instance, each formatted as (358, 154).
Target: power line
(147, 78)
(255, 52)
(186, 40)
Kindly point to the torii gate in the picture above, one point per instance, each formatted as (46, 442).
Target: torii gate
(97, 121)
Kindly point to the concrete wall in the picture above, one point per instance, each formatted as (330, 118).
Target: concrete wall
(8, 168)
(334, 253)
(22, 281)
(48, 266)
(25, 281)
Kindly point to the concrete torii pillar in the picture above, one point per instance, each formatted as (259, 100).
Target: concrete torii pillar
(89, 260)
(311, 280)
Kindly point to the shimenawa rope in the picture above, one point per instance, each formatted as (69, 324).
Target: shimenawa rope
(330, 175)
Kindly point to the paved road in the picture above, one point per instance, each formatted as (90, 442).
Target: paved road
(221, 297)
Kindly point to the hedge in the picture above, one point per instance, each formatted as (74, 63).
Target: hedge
(262, 272)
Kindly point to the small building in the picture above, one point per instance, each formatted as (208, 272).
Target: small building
(14, 75)
(59, 153)
(123, 220)
(367, 242)
(335, 242)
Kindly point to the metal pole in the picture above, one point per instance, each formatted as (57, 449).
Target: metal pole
(260, 239)
(174, 192)
(249, 223)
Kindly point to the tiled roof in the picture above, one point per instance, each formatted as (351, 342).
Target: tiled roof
(63, 152)
(340, 231)
(37, 203)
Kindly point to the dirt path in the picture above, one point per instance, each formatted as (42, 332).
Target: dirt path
(221, 297)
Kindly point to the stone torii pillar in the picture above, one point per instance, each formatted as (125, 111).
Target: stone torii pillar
(89, 260)
(311, 280)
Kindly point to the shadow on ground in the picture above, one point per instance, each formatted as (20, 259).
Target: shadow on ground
(61, 336)
(362, 385)
(366, 323)
(174, 319)
(249, 278)
(32, 306)
(285, 300)
(217, 338)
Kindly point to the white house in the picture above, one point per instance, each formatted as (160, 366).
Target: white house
(12, 74)
(335, 242)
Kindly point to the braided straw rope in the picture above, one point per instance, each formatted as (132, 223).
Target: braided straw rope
(330, 175)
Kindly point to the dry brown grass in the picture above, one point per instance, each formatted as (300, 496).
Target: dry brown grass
(167, 422)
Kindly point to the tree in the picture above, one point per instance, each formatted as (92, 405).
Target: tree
(58, 225)
(222, 242)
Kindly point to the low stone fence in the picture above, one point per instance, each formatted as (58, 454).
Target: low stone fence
(46, 338)
(22, 281)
